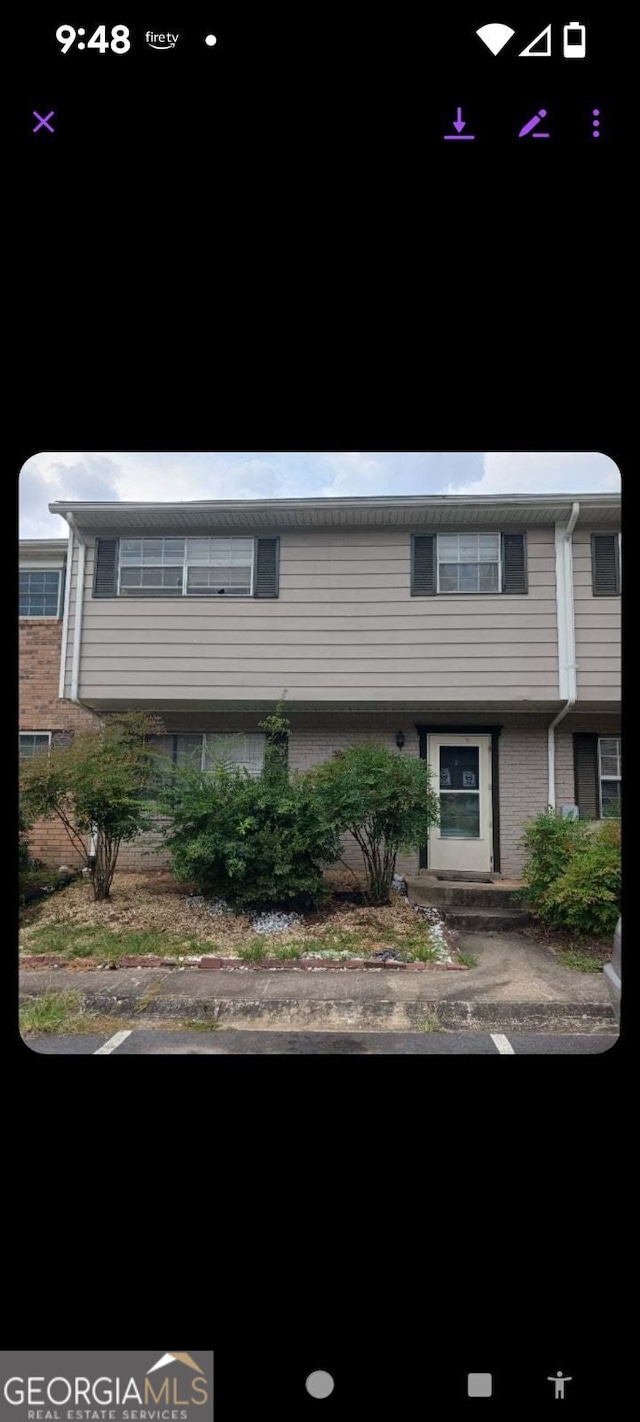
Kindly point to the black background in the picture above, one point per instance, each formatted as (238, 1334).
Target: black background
(272, 235)
(395, 1375)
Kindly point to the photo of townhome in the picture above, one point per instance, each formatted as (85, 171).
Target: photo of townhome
(320, 753)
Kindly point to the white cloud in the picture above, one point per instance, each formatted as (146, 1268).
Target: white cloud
(163, 477)
(354, 474)
(543, 473)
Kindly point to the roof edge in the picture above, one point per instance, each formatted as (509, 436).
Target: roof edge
(359, 501)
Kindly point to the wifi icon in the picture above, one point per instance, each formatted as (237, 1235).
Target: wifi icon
(495, 36)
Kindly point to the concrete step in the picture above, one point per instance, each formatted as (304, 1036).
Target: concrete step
(463, 895)
(486, 920)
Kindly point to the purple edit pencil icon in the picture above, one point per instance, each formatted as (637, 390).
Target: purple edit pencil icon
(542, 113)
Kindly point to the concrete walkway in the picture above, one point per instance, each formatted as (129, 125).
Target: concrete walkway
(517, 983)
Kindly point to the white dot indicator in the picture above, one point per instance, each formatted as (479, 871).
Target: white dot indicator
(210, 39)
(80, 32)
(81, 46)
(320, 1384)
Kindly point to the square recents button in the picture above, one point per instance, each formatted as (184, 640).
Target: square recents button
(479, 1384)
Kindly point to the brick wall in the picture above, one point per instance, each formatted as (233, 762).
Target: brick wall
(41, 710)
(524, 788)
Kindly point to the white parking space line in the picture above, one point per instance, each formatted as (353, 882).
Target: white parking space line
(115, 1042)
(503, 1044)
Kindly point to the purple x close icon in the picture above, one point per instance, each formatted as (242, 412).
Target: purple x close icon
(44, 122)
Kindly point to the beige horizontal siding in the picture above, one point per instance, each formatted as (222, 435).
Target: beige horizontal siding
(345, 627)
(342, 661)
(598, 629)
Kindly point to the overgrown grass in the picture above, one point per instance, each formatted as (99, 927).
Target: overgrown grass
(430, 1024)
(68, 941)
(254, 952)
(580, 960)
(291, 952)
(468, 960)
(62, 1013)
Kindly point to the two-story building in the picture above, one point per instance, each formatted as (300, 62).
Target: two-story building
(480, 633)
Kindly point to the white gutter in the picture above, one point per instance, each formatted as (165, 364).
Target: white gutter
(65, 615)
(566, 639)
(77, 631)
(77, 636)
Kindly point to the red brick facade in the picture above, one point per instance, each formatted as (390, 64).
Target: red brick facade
(41, 710)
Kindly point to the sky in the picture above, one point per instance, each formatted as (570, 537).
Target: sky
(173, 477)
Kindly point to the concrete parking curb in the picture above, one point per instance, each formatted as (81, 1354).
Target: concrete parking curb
(321, 1003)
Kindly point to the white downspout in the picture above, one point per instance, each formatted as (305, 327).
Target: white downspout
(77, 636)
(566, 639)
(77, 631)
(65, 615)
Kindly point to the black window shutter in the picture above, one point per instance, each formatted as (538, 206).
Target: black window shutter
(423, 572)
(514, 563)
(585, 766)
(605, 564)
(106, 576)
(267, 567)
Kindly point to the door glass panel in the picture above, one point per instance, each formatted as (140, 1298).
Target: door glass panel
(459, 767)
(460, 816)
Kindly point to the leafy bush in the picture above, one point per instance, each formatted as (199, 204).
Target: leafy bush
(95, 786)
(550, 841)
(574, 873)
(256, 842)
(587, 896)
(386, 802)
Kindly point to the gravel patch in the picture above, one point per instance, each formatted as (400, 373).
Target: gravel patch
(398, 884)
(275, 922)
(441, 938)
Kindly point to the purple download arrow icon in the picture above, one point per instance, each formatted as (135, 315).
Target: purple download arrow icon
(459, 123)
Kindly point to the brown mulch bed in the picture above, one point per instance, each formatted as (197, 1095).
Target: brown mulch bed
(156, 902)
(561, 939)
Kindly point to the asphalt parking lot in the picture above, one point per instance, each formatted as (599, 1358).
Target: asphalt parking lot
(146, 1041)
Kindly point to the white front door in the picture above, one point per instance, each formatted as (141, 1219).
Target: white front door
(461, 777)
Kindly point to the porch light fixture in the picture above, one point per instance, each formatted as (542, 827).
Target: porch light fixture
(400, 740)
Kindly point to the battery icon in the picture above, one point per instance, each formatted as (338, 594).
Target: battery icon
(574, 41)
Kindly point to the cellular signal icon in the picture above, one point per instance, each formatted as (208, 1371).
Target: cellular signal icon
(495, 36)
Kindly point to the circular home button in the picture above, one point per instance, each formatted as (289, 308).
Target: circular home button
(320, 1384)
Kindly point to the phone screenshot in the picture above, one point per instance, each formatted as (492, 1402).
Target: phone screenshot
(318, 342)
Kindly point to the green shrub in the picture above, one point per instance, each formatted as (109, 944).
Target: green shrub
(95, 786)
(256, 842)
(384, 799)
(586, 897)
(573, 873)
(549, 841)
